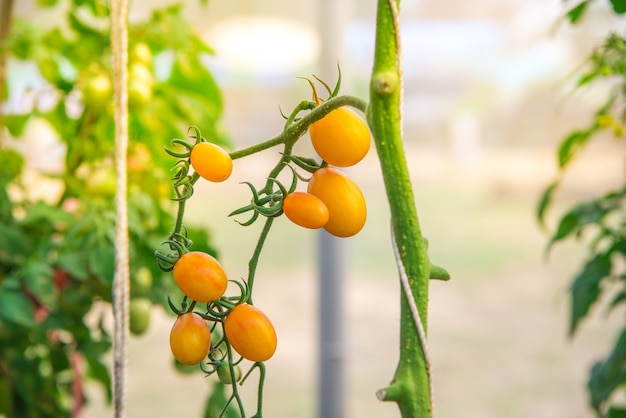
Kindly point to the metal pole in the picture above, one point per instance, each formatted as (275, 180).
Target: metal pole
(330, 249)
(331, 370)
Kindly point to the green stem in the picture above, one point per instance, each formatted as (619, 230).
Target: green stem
(254, 260)
(410, 388)
(299, 128)
(180, 214)
(235, 394)
(259, 407)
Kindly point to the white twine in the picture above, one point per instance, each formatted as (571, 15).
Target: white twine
(121, 288)
(417, 320)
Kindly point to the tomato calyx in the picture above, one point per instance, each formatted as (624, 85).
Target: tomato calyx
(267, 202)
(179, 244)
(308, 164)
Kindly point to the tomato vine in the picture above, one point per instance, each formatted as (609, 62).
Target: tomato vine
(242, 331)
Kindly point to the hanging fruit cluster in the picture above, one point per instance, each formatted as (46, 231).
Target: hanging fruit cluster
(230, 328)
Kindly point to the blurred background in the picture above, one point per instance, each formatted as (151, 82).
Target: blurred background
(488, 97)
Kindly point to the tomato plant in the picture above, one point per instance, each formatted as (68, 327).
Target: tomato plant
(599, 221)
(241, 331)
(211, 162)
(341, 138)
(343, 198)
(57, 253)
(190, 339)
(200, 276)
(250, 332)
(305, 209)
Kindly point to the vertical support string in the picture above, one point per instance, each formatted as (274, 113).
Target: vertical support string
(121, 288)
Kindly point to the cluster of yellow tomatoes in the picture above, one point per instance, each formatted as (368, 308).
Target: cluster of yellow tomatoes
(248, 330)
(332, 201)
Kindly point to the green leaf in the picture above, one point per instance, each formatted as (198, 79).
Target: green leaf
(16, 123)
(585, 288)
(544, 202)
(22, 39)
(14, 245)
(15, 306)
(572, 144)
(608, 375)
(619, 298)
(190, 75)
(41, 213)
(577, 12)
(619, 6)
(11, 164)
(102, 261)
(217, 400)
(74, 263)
(586, 213)
(100, 373)
(588, 77)
(616, 412)
(38, 278)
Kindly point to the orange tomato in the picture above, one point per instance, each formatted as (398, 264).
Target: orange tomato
(343, 198)
(305, 209)
(200, 276)
(211, 162)
(190, 339)
(250, 333)
(341, 138)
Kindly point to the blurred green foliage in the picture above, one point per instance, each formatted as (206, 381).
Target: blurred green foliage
(56, 251)
(599, 222)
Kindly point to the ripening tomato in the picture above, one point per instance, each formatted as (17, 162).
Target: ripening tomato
(190, 339)
(305, 210)
(211, 162)
(250, 333)
(343, 198)
(200, 276)
(341, 138)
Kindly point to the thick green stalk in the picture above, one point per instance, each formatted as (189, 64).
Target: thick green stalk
(410, 388)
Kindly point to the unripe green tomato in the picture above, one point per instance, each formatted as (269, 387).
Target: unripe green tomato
(101, 183)
(140, 72)
(141, 53)
(142, 281)
(223, 372)
(139, 315)
(139, 93)
(98, 90)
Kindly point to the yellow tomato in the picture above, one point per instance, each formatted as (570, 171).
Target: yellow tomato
(343, 198)
(341, 138)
